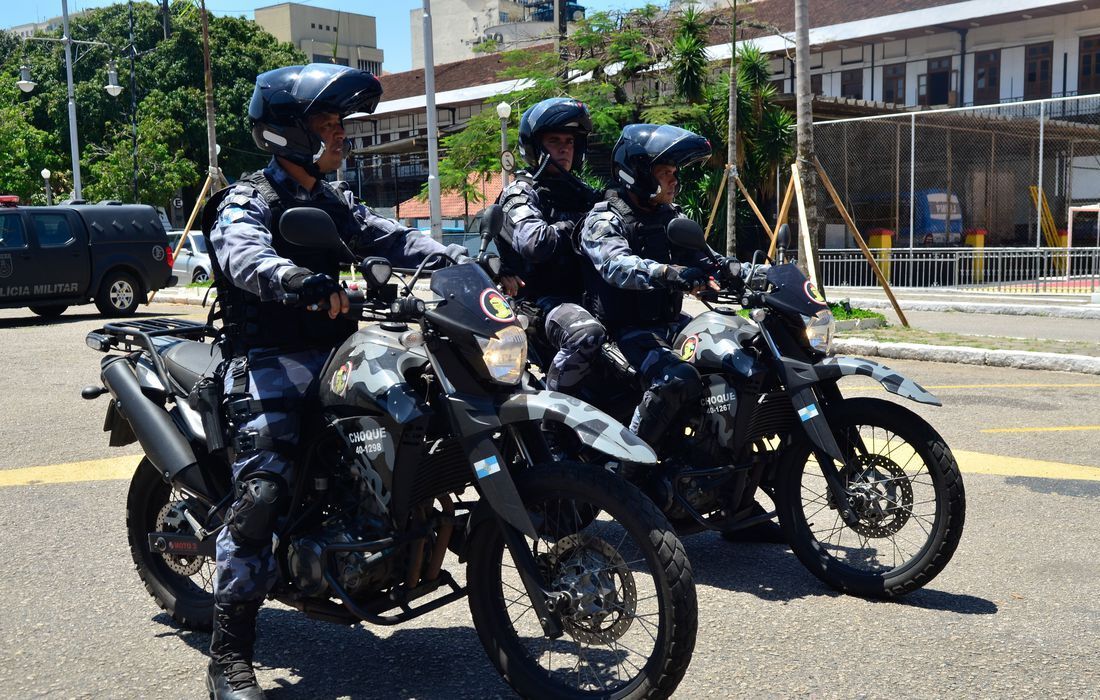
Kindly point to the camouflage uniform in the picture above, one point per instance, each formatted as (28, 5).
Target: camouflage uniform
(538, 245)
(242, 244)
(627, 248)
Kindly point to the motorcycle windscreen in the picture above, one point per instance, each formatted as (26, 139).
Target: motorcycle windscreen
(470, 301)
(793, 292)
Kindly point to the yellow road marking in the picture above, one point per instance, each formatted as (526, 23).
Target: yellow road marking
(980, 463)
(94, 470)
(1074, 385)
(123, 468)
(1052, 429)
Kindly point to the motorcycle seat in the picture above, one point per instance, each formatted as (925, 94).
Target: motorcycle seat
(189, 361)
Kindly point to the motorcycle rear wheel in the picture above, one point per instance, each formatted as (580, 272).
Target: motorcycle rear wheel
(631, 616)
(904, 484)
(182, 586)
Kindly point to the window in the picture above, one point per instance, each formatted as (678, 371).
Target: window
(371, 66)
(11, 231)
(312, 25)
(1037, 69)
(851, 83)
(321, 58)
(1088, 73)
(503, 17)
(893, 84)
(815, 84)
(987, 77)
(52, 230)
(936, 86)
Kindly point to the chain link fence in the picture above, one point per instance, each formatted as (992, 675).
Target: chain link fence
(1000, 177)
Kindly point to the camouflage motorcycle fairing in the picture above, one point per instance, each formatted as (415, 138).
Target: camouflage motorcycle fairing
(369, 370)
(894, 382)
(594, 427)
(719, 410)
(719, 342)
(372, 447)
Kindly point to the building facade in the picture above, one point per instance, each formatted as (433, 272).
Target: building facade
(325, 36)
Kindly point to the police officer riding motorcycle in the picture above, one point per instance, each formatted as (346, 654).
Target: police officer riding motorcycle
(542, 209)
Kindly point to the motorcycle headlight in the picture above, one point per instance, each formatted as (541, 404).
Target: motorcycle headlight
(505, 354)
(819, 330)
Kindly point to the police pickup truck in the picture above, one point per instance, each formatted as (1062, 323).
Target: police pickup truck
(52, 258)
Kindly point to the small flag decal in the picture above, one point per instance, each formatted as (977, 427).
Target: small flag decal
(807, 413)
(486, 467)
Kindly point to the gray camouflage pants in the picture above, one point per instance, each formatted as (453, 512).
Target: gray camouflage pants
(577, 336)
(244, 572)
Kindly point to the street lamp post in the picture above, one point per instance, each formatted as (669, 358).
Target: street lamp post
(26, 85)
(504, 110)
(49, 192)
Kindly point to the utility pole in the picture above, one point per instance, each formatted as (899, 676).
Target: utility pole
(74, 145)
(214, 173)
(806, 173)
(434, 205)
(164, 17)
(731, 155)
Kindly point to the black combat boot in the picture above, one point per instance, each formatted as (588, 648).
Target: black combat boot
(230, 676)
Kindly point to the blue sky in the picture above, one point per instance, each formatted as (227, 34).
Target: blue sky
(393, 16)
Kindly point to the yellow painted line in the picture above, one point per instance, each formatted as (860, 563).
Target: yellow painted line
(1074, 385)
(94, 470)
(1052, 429)
(980, 463)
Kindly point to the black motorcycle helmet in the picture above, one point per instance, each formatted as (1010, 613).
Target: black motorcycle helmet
(284, 98)
(562, 114)
(641, 146)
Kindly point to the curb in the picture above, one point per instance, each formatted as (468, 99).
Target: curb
(982, 308)
(1018, 359)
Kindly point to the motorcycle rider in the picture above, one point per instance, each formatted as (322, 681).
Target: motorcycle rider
(542, 207)
(637, 278)
(277, 348)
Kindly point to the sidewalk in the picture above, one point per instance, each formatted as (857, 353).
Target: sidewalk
(952, 326)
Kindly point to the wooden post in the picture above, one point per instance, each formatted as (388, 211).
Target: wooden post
(714, 207)
(206, 186)
(859, 240)
(804, 228)
(783, 211)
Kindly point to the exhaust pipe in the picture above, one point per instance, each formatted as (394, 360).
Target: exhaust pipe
(164, 444)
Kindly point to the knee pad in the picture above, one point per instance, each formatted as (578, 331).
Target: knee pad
(251, 518)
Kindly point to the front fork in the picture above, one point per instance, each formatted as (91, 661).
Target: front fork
(811, 404)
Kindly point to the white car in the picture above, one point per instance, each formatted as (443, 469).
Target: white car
(192, 262)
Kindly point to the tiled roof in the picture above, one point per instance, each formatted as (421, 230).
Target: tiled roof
(479, 70)
(452, 204)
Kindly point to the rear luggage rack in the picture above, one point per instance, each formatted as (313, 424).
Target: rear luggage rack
(138, 335)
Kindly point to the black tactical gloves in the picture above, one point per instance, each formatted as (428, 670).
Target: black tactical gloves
(681, 278)
(310, 287)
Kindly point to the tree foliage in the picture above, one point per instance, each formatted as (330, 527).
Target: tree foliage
(172, 151)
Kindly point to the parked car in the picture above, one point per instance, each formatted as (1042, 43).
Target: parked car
(52, 258)
(192, 263)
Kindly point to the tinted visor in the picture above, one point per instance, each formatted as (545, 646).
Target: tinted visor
(337, 89)
(672, 145)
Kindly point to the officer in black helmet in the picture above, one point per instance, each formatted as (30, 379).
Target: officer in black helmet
(636, 278)
(542, 208)
(277, 349)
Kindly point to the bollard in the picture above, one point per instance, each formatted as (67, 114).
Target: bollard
(975, 238)
(881, 240)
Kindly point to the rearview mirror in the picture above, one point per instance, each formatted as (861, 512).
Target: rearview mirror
(492, 220)
(686, 233)
(313, 228)
(376, 271)
(783, 237)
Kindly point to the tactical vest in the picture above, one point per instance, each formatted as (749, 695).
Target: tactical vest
(561, 275)
(645, 234)
(249, 322)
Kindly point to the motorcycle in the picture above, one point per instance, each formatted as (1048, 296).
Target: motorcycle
(577, 584)
(868, 495)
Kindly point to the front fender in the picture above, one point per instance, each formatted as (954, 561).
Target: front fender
(594, 427)
(894, 382)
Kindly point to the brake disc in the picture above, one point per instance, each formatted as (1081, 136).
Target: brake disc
(170, 519)
(600, 589)
(881, 495)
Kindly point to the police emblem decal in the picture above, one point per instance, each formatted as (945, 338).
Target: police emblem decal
(158, 253)
(813, 293)
(687, 350)
(496, 306)
(5, 266)
(339, 383)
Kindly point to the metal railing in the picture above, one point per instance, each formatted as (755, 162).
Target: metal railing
(1001, 270)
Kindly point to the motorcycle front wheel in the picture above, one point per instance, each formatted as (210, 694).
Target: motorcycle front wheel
(627, 603)
(183, 586)
(902, 482)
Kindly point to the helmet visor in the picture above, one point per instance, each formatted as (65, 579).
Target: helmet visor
(672, 145)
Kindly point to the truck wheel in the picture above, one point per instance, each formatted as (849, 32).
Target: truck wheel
(200, 276)
(49, 311)
(119, 295)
